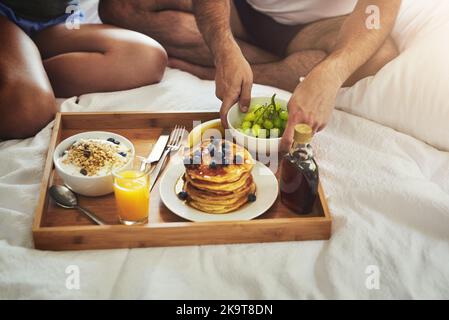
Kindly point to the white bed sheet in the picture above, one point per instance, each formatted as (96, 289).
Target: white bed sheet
(388, 194)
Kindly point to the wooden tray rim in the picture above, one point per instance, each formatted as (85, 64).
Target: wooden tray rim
(49, 166)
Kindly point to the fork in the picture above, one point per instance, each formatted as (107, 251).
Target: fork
(173, 145)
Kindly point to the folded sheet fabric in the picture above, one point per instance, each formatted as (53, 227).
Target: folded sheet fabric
(411, 93)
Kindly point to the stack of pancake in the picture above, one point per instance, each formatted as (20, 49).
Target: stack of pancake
(218, 177)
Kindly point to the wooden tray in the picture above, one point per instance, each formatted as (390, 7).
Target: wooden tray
(60, 229)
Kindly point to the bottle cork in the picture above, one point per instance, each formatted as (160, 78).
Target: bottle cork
(303, 133)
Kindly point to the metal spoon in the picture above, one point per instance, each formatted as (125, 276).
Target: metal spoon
(65, 198)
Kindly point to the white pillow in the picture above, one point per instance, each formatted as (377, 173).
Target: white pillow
(411, 93)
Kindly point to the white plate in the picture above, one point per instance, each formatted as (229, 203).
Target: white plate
(267, 192)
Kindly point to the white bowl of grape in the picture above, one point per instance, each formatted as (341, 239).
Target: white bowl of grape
(260, 129)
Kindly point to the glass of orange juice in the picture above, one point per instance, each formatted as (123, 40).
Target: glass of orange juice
(132, 194)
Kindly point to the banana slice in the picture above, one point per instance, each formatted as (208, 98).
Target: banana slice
(205, 131)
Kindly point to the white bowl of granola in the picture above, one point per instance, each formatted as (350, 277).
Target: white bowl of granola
(85, 161)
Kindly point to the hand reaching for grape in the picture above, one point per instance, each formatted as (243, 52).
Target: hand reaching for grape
(234, 80)
(312, 103)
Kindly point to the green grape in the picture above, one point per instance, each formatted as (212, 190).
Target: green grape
(254, 107)
(268, 124)
(277, 122)
(265, 116)
(275, 133)
(284, 124)
(256, 130)
(283, 115)
(250, 116)
(246, 125)
(263, 133)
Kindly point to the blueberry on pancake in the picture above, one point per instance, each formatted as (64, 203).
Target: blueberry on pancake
(219, 186)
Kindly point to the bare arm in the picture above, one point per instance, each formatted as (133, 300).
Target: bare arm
(212, 17)
(359, 39)
(234, 77)
(313, 100)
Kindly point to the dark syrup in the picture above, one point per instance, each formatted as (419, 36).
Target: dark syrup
(299, 185)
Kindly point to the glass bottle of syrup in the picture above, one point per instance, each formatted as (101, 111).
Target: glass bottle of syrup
(299, 173)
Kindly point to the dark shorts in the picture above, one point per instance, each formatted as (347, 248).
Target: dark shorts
(31, 27)
(265, 32)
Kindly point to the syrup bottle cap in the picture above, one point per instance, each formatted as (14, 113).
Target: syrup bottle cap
(303, 134)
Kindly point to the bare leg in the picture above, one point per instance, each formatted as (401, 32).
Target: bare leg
(177, 31)
(99, 58)
(27, 102)
(284, 74)
(172, 24)
(306, 50)
(322, 35)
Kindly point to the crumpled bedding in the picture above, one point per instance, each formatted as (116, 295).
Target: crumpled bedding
(388, 194)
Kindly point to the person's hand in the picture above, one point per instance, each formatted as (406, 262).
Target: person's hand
(233, 80)
(312, 103)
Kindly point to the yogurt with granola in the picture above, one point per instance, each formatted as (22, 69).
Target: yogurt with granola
(94, 157)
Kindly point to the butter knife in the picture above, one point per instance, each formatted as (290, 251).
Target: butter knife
(156, 152)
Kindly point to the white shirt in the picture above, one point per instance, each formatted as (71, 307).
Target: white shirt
(294, 12)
